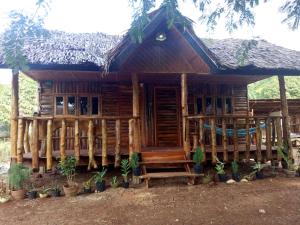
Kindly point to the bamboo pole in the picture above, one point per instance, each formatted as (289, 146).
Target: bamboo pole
(213, 140)
(136, 112)
(14, 114)
(130, 135)
(20, 141)
(26, 138)
(235, 141)
(268, 139)
(247, 140)
(49, 163)
(278, 135)
(224, 141)
(62, 143)
(185, 121)
(91, 152)
(118, 143)
(35, 141)
(104, 143)
(201, 138)
(76, 141)
(258, 140)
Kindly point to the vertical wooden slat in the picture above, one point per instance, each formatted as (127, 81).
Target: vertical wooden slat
(26, 138)
(213, 140)
(268, 139)
(278, 135)
(62, 143)
(91, 149)
(118, 143)
(76, 141)
(258, 140)
(235, 141)
(14, 114)
(130, 135)
(224, 141)
(201, 137)
(104, 143)
(49, 145)
(185, 121)
(20, 141)
(35, 141)
(136, 112)
(247, 156)
(195, 141)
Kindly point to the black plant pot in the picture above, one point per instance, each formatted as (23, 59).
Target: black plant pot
(32, 194)
(222, 177)
(87, 190)
(198, 168)
(54, 193)
(100, 186)
(136, 171)
(125, 184)
(236, 177)
(259, 175)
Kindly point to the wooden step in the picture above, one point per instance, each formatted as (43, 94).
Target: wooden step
(167, 162)
(169, 175)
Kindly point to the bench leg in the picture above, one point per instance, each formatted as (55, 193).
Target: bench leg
(147, 182)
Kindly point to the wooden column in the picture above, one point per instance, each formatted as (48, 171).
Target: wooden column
(63, 132)
(247, 155)
(118, 143)
(285, 116)
(268, 139)
(201, 137)
(14, 114)
(136, 112)
(185, 112)
(26, 138)
(35, 144)
(278, 135)
(76, 140)
(213, 140)
(49, 149)
(91, 152)
(130, 135)
(224, 141)
(104, 143)
(20, 141)
(258, 140)
(235, 141)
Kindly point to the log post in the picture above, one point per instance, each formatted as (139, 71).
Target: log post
(201, 137)
(285, 116)
(235, 141)
(258, 140)
(20, 141)
(247, 139)
(213, 140)
(184, 112)
(136, 112)
(118, 143)
(268, 139)
(76, 140)
(278, 135)
(104, 143)
(14, 114)
(49, 145)
(91, 152)
(224, 141)
(35, 144)
(62, 143)
(26, 137)
(195, 142)
(130, 135)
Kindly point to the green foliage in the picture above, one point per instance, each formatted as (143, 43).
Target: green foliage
(18, 175)
(198, 155)
(99, 176)
(67, 168)
(134, 162)
(125, 169)
(220, 167)
(114, 182)
(258, 166)
(88, 183)
(234, 167)
(282, 151)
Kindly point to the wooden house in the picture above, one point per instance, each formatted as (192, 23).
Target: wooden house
(103, 97)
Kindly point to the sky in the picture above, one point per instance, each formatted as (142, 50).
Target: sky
(114, 17)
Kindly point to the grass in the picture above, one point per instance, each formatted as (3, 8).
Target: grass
(4, 150)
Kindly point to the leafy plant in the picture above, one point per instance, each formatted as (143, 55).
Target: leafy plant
(87, 184)
(281, 151)
(134, 162)
(198, 155)
(99, 176)
(258, 166)
(67, 168)
(220, 167)
(18, 175)
(125, 169)
(114, 182)
(234, 167)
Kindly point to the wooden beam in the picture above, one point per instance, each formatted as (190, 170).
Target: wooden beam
(136, 112)
(184, 112)
(76, 140)
(285, 116)
(235, 141)
(201, 138)
(118, 143)
(247, 154)
(213, 140)
(35, 144)
(26, 137)
(14, 114)
(258, 140)
(268, 139)
(278, 135)
(63, 132)
(130, 135)
(224, 141)
(20, 141)
(91, 150)
(49, 149)
(104, 143)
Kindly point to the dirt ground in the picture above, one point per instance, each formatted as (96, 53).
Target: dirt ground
(268, 201)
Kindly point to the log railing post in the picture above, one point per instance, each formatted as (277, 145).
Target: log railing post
(49, 145)
(213, 140)
(91, 152)
(224, 140)
(118, 143)
(130, 135)
(26, 137)
(268, 139)
(278, 135)
(184, 111)
(35, 144)
(258, 140)
(20, 141)
(235, 141)
(201, 137)
(76, 140)
(104, 143)
(247, 155)
(136, 112)
(62, 143)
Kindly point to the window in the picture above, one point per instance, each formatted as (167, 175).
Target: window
(219, 106)
(199, 105)
(95, 105)
(228, 105)
(71, 105)
(84, 105)
(59, 103)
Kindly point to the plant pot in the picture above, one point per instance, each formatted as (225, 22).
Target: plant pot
(32, 194)
(54, 193)
(259, 175)
(125, 184)
(100, 186)
(289, 173)
(136, 171)
(222, 177)
(19, 194)
(70, 190)
(236, 177)
(87, 190)
(198, 168)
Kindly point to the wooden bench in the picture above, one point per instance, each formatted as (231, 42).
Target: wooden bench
(166, 159)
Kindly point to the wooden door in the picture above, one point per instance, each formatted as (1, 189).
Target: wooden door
(167, 123)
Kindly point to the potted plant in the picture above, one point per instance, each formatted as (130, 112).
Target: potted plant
(18, 175)
(114, 182)
(99, 180)
(220, 171)
(198, 158)
(54, 191)
(32, 193)
(290, 169)
(235, 171)
(67, 168)
(258, 170)
(87, 186)
(125, 170)
(134, 162)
